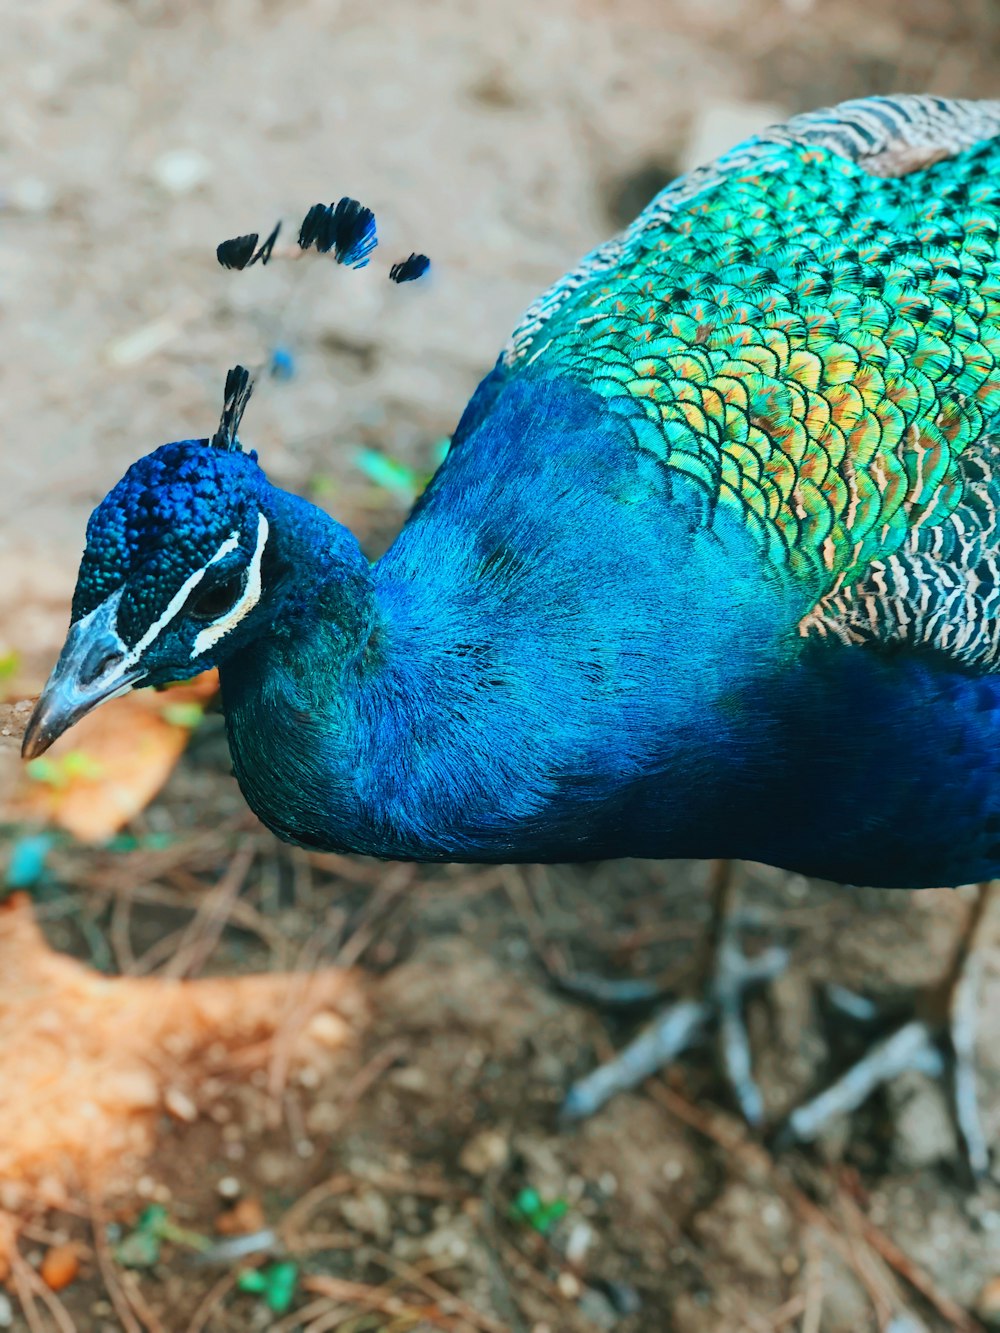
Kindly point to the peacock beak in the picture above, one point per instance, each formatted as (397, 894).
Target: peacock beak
(94, 665)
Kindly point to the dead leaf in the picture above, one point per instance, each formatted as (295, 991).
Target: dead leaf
(109, 767)
(87, 1062)
(243, 1219)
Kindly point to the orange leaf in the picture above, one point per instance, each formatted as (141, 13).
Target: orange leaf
(109, 767)
(87, 1062)
(243, 1219)
(60, 1266)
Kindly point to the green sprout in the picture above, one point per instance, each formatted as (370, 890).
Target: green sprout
(388, 473)
(10, 664)
(529, 1208)
(276, 1284)
(60, 772)
(141, 1247)
(188, 715)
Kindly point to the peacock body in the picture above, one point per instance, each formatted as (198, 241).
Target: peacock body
(711, 567)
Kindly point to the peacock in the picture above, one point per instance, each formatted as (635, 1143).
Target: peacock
(711, 568)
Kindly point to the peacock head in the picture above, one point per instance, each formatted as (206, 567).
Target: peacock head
(171, 576)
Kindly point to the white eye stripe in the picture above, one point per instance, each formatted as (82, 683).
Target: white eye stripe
(173, 607)
(249, 598)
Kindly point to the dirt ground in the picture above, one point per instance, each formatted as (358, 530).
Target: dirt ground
(503, 140)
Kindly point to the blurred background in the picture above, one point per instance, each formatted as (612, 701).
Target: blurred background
(407, 1163)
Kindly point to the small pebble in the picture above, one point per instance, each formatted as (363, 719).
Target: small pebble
(369, 1213)
(772, 1215)
(142, 343)
(411, 1078)
(180, 1106)
(181, 170)
(581, 1237)
(568, 1284)
(229, 1187)
(30, 194)
(484, 1153)
(327, 1029)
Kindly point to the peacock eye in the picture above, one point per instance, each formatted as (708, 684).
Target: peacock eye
(215, 601)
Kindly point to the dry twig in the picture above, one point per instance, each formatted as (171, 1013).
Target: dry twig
(106, 1263)
(209, 921)
(28, 1285)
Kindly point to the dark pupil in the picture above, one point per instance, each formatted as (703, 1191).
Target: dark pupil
(211, 603)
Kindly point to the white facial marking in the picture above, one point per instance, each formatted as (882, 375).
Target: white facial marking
(249, 598)
(180, 597)
(172, 609)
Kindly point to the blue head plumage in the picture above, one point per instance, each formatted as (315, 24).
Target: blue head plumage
(184, 517)
(172, 572)
(175, 549)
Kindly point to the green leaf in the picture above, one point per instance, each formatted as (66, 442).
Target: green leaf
(187, 715)
(46, 770)
(282, 1279)
(79, 764)
(387, 472)
(60, 772)
(321, 484)
(10, 664)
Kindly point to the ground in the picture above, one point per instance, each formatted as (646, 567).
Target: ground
(503, 141)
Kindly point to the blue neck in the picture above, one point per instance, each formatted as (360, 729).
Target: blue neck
(564, 656)
(523, 668)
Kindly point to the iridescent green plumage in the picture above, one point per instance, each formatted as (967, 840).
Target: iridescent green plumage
(816, 344)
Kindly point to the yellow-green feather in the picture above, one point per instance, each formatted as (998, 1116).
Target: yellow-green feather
(814, 344)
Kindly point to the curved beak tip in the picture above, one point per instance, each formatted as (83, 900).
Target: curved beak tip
(92, 668)
(37, 736)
